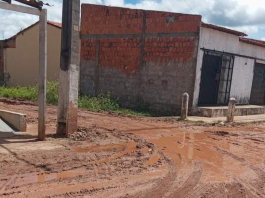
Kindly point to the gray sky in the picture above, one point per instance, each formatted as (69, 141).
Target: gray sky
(244, 15)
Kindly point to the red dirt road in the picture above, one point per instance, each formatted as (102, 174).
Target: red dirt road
(123, 156)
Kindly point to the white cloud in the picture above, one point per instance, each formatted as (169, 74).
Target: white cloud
(243, 15)
(114, 3)
(248, 29)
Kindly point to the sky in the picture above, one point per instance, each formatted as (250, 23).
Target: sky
(243, 15)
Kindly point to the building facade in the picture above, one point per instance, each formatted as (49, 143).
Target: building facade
(154, 57)
(20, 56)
(138, 56)
(228, 65)
(147, 57)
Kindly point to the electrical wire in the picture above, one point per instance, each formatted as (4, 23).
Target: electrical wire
(190, 7)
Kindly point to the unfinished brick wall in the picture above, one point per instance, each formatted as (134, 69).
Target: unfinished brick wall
(138, 56)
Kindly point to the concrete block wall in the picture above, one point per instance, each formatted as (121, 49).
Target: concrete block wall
(138, 56)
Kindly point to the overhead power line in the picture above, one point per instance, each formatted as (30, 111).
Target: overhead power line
(190, 7)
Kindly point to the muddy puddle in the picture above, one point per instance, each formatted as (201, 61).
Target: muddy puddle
(16, 181)
(220, 158)
(153, 160)
(121, 149)
(186, 161)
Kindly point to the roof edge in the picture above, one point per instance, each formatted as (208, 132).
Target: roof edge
(223, 29)
(253, 42)
(55, 24)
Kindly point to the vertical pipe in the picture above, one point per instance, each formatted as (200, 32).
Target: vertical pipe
(42, 74)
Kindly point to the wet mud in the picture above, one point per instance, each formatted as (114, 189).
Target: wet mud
(124, 156)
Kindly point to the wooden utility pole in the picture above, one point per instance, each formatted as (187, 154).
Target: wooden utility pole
(69, 69)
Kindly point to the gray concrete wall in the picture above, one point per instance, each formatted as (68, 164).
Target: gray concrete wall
(160, 85)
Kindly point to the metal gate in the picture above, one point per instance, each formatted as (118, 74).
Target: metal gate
(216, 78)
(258, 86)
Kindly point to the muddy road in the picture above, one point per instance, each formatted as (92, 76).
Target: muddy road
(124, 156)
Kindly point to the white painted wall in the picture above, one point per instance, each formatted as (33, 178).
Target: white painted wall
(242, 79)
(243, 74)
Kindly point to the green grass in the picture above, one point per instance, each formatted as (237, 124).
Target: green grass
(31, 93)
(99, 103)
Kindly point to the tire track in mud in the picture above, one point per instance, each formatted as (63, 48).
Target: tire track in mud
(240, 159)
(248, 188)
(260, 173)
(252, 189)
(190, 183)
(162, 187)
(260, 182)
(198, 191)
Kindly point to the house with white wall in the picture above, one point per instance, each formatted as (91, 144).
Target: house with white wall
(228, 65)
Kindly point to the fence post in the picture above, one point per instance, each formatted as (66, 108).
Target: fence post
(231, 110)
(185, 106)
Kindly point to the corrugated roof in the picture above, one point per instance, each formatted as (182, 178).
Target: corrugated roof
(223, 29)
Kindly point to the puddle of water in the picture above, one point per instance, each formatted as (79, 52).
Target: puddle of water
(26, 179)
(63, 188)
(130, 147)
(153, 160)
(145, 150)
(200, 147)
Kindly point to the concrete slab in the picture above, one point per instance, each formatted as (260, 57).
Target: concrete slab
(16, 120)
(238, 119)
(24, 145)
(242, 110)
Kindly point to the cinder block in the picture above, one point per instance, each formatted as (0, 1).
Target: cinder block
(16, 120)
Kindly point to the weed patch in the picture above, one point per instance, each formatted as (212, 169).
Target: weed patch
(99, 103)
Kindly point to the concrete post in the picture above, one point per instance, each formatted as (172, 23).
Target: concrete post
(42, 74)
(69, 69)
(231, 110)
(185, 106)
